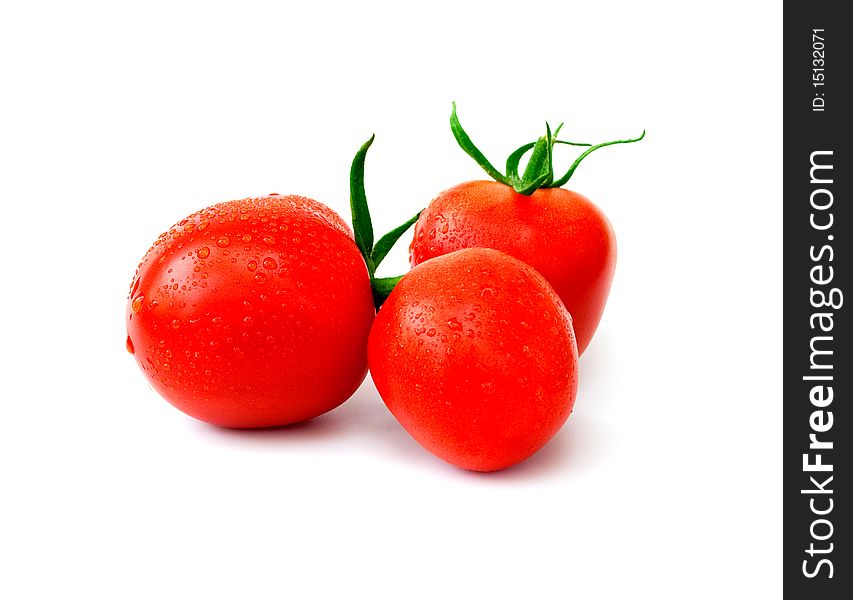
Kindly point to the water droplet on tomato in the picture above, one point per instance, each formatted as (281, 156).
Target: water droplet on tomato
(129, 345)
(487, 292)
(246, 238)
(269, 240)
(252, 265)
(260, 278)
(203, 252)
(136, 305)
(223, 241)
(431, 333)
(454, 324)
(247, 321)
(176, 323)
(269, 263)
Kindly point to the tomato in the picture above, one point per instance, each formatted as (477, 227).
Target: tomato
(253, 313)
(474, 354)
(560, 233)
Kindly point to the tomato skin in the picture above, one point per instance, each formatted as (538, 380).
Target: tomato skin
(253, 313)
(560, 233)
(474, 354)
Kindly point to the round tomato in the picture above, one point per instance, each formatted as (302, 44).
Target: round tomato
(253, 313)
(558, 232)
(528, 215)
(475, 356)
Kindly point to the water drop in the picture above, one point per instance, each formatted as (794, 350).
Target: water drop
(247, 321)
(136, 305)
(129, 345)
(203, 252)
(431, 333)
(454, 324)
(269, 263)
(252, 265)
(260, 278)
(269, 240)
(223, 241)
(175, 324)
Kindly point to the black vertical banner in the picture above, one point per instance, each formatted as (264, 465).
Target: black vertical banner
(818, 365)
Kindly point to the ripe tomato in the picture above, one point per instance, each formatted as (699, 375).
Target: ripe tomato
(560, 233)
(253, 313)
(475, 356)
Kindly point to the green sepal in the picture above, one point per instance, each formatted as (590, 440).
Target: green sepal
(361, 224)
(468, 146)
(514, 159)
(539, 172)
(565, 178)
(382, 287)
(387, 241)
(536, 171)
(363, 229)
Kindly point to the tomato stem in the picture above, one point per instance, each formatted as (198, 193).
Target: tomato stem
(362, 225)
(539, 172)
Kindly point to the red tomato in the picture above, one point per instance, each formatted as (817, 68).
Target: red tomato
(560, 233)
(474, 354)
(253, 313)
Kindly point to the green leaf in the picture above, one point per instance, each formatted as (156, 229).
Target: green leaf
(565, 178)
(361, 223)
(387, 241)
(468, 146)
(382, 287)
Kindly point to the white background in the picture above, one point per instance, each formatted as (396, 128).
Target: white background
(118, 119)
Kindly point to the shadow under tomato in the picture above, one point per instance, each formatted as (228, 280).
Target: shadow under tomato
(573, 449)
(339, 422)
